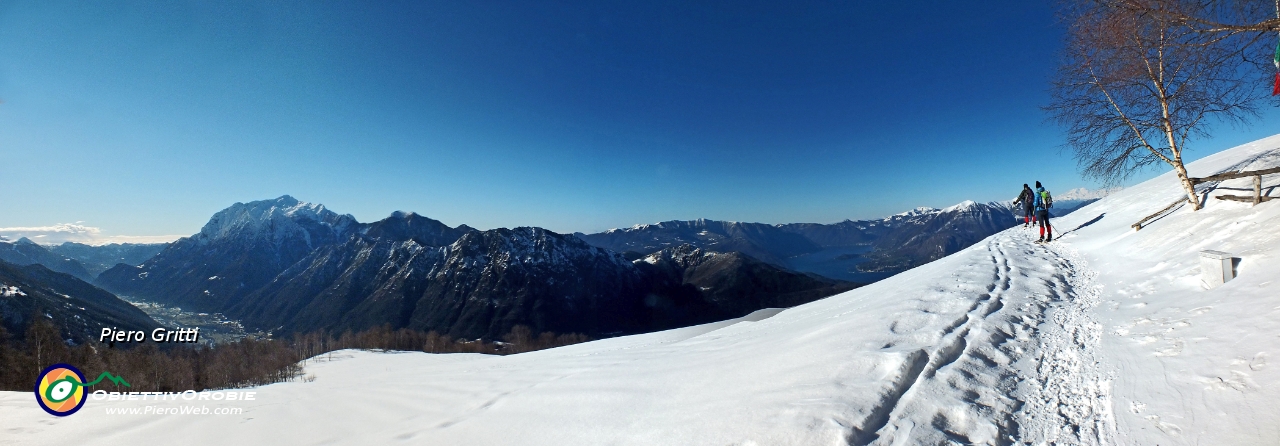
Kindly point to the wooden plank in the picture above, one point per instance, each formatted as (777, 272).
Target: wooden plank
(1233, 175)
(1138, 226)
(1243, 198)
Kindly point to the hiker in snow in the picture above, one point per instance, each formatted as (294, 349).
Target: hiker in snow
(1043, 202)
(1027, 200)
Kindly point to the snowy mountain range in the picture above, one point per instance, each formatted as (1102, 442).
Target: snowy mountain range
(289, 265)
(99, 258)
(82, 261)
(292, 266)
(26, 252)
(860, 251)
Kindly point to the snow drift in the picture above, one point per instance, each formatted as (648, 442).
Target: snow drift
(1105, 336)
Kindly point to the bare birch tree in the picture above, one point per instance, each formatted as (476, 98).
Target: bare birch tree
(1256, 22)
(1211, 16)
(1137, 84)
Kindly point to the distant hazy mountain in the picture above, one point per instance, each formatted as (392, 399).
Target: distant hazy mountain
(288, 266)
(1077, 198)
(865, 250)
(1083, 194)
(766, 242)
(99, 258)
(26, 252)
(79, 309)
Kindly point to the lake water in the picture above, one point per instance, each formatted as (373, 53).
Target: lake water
(837, 263)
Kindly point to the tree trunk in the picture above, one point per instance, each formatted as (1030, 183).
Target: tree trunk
(1186, 184)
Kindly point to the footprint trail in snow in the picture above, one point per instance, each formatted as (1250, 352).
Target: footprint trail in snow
(1019, 367)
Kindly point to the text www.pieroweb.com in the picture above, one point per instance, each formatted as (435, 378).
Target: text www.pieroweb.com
(186, 409)
(180, 410)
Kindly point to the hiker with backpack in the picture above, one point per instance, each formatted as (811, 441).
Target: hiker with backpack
(1043, 201)
(1027, 200)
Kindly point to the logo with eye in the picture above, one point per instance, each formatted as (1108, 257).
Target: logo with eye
(60, 388)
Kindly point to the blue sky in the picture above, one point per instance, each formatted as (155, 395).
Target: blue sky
(145, 118)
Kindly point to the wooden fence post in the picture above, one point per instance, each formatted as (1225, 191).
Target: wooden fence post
(1257, 189)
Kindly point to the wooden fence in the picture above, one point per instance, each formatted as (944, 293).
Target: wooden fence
(1255, 199)
(1257, 184)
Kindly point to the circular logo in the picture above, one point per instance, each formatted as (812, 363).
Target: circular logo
(60, 390)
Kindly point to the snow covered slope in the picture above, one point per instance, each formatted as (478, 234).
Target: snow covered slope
(1189, 364)
(1105, 336)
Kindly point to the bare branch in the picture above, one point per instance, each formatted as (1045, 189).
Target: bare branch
(1140, 71)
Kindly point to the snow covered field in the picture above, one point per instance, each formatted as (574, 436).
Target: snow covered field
(1104, 337)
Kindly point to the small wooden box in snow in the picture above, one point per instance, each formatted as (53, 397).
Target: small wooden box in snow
(1215, 268)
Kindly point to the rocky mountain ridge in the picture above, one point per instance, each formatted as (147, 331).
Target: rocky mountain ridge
(862, 250)
(289, 266)
(79, 309)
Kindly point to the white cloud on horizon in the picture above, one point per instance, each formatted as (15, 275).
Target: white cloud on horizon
(76, 232)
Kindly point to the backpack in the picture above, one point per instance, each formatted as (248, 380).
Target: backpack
(1048, 200)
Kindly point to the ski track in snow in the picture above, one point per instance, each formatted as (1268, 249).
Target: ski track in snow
(1018, 368)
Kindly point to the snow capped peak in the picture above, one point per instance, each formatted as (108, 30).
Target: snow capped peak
(917, 211)
(636, 227)
(966, 205)
(275, 217)
(1081, 193)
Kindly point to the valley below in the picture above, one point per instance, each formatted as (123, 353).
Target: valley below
(214, 328)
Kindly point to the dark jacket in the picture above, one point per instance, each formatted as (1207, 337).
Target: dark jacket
(1026, 199)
